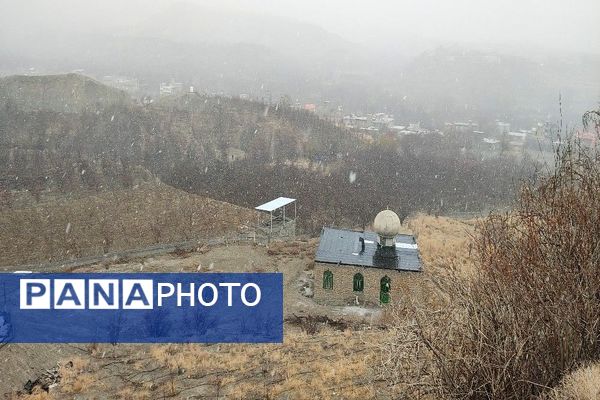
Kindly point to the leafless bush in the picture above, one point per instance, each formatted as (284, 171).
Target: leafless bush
(530, 312)
(309, 325)
(312, 324)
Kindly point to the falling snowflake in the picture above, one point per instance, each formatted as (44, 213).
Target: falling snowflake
(352, 177)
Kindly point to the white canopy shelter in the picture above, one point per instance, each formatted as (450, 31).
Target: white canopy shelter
(278, 203)
(275, 204)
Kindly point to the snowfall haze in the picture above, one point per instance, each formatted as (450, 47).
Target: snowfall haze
(428, 170)
(384, 56)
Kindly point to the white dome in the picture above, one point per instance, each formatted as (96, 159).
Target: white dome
(387, 224)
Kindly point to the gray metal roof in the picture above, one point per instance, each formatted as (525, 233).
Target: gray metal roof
(338, 246)
(275, 204)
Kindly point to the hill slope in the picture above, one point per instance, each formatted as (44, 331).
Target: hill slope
(101, 145)
(65, 228)
(60, 93)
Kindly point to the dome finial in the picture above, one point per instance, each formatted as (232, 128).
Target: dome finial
(387, 225)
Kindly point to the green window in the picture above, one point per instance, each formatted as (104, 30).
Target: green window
(358, 283)
(384, 289)
(328, 280)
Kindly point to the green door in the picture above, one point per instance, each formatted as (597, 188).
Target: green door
(328, 280)
(384, 290)
(358, 283)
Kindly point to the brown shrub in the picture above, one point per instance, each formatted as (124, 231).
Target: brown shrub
(75, 377)
(284, 248)
(37, 394)
(529, 313)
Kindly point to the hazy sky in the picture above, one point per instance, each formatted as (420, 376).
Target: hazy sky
(554, 24)
(550, 24)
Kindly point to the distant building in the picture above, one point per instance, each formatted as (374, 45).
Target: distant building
(490, 145)
(173, 88)
(414, 126)
(310, 107)
(461, 127)
(382, 121)
(146, 100)
(490, 141)
(517, 138)
(355, 122)
(589, 138)
(397, 128)
(378, 122)
(502, 128)
(130, 85)
(361, 267)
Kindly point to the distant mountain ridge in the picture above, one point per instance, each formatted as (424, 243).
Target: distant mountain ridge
(224, 50)
(60, 93)
(453, 83)
(184, 22)
(93, 136)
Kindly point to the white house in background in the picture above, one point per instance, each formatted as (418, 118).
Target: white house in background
(517, 138)
(168, 89)
(502, 127)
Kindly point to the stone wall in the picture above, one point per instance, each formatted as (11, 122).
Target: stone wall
(403, 283)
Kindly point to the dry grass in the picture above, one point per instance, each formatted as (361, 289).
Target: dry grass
(334, 362)
(337, 364)
(299, 248)
(38, 394)
(74, 376)
(444, 242)
(582, 384)
(111, 221)
(129, 393)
